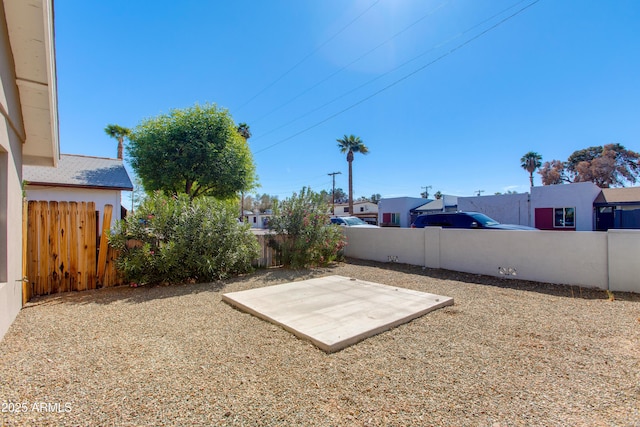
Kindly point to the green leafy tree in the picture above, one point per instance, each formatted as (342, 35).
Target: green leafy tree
(197, 151)
(611, 165)
(340, 195)
(248, 203)
(265, 202)
(304, 235)
(119, 133)
(326, 196)
(531, 162)
(138, 194)
(375, 198)
(351, 144)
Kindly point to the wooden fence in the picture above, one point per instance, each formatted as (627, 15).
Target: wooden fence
(268, 257)
(62, 248)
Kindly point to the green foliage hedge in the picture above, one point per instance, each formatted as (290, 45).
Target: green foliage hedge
(175, 239)
(307, 237)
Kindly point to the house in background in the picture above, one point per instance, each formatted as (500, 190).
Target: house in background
(366, 211)
(259, 219)
(396, 211)
(580, 206)
(28, 128)
(80, 179)
(445, 203)
(617, 208)
(564, 207)
(504, 208)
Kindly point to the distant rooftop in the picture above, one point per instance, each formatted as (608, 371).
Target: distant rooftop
(438, 204)
(618, 195)
(80, 171)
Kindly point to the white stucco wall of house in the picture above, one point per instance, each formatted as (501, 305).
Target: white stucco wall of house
(504, 208)
(258, 220)
(401, 205)
(359, 208)
(578, 195)
(66, 194)
(10, 187)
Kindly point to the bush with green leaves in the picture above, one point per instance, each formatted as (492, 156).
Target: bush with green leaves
(305, 236)
(175, 239)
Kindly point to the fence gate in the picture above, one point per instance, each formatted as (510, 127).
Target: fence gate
(62, 249)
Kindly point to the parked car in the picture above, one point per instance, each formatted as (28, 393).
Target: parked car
(463, 220)
(351, 221)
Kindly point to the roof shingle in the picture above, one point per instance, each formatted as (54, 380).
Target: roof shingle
(80, 171)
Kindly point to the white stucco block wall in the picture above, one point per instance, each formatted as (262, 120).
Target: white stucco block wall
(592, 259)
(504, 208)
(624, 260)
(386, 244)
(540, 256)
(66, 194)
(578, 195)
(431, 246)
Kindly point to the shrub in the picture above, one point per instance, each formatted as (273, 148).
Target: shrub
(174, 239)
(307, 237)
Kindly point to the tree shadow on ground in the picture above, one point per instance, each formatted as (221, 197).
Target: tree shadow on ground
(570, 291)
(142, 294)
(274, 276)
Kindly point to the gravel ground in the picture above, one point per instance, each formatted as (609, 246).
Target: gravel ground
(507, 353)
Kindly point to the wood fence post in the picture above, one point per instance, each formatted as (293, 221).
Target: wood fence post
(104, 243)
(54, 248)
(90, 242)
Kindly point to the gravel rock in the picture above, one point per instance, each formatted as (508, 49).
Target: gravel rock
(507, 353)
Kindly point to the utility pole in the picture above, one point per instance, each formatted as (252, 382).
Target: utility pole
(333, 191)
(426, 191)
(479, 192)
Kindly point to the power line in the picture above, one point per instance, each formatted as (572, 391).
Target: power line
(405, 77)
(423, 17)
(311, 182)
(397, 68)
(297, 64)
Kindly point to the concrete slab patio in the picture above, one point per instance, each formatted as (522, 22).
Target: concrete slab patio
(335, 312)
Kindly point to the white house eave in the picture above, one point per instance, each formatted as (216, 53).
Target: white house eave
(30, 26)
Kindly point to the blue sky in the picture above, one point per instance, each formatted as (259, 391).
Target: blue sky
(445, 93)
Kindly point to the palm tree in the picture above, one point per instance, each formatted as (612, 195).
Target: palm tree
(119, 133)
(351, 144)
(530, 162)
(244, 131)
